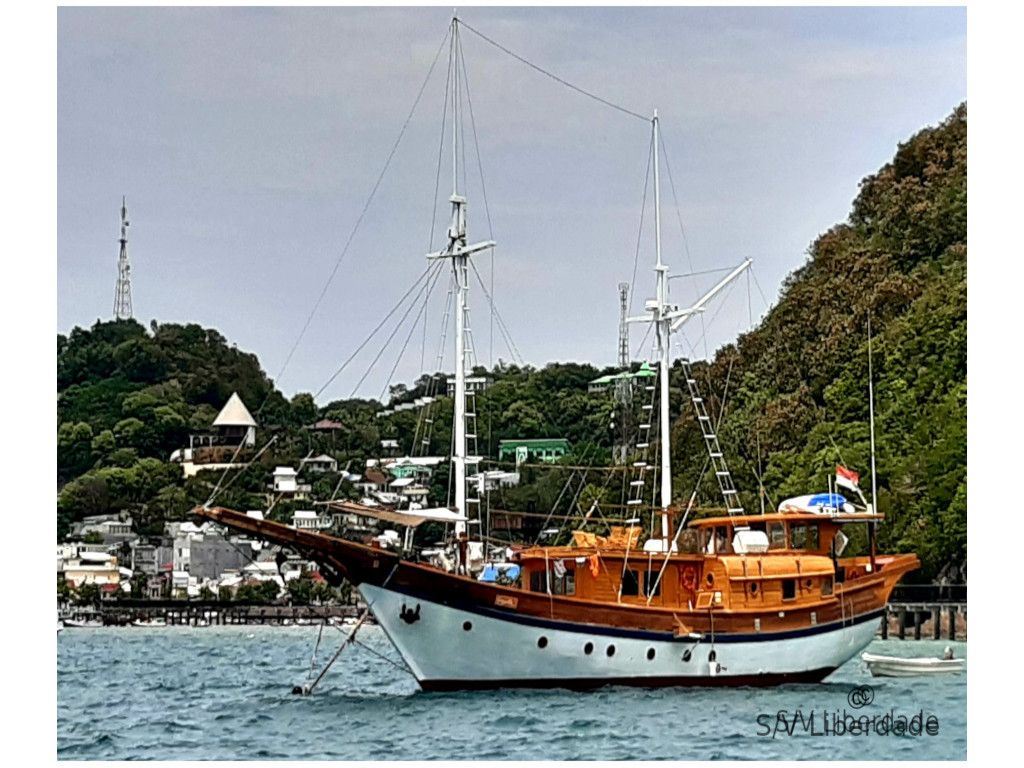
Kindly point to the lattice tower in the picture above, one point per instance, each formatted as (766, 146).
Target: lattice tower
(123, 290)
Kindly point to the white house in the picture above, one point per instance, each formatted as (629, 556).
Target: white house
(286, 481)
(321, 463)
(493, 479)
(184, 533)
(308, 520)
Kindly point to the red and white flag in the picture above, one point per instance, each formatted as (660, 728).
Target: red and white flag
(846, 477)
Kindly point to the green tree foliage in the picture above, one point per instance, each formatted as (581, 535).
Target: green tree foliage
(799, 387)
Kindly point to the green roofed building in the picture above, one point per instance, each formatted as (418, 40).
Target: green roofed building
(544, 449)
(645, 374)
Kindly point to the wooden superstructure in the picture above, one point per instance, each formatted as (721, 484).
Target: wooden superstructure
(706, 587)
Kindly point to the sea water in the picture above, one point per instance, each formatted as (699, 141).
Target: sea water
(224, 693)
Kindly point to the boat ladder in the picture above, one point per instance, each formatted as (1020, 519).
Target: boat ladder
(718, 465)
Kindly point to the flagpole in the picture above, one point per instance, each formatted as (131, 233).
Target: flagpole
(871, 417)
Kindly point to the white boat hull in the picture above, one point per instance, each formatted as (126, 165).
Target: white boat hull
(451, 648)
(891, 666)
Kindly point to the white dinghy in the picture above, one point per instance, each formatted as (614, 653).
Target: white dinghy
(894, 666)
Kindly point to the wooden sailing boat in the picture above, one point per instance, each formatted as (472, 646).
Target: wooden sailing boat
(735, 600)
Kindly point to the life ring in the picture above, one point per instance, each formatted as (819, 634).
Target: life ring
(690, 578)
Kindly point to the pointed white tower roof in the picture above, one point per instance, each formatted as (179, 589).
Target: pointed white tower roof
(234, 414)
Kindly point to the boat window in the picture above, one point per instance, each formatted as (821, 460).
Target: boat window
(812, 536)
(798, 536)
(776, 536)
(788, 589)
(560, 585)
(826, 585)
(630, 583)
(652, 584)
(564, 585)
(705, 541)
(722, 544)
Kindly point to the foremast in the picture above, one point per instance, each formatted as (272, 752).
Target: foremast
(459, 251)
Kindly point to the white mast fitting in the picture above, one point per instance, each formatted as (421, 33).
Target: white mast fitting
(663, 332)
(458, 251)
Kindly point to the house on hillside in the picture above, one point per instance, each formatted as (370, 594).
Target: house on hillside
(473, 384)
(308, 520)
(286, 484)
(644, 377)
(89, 568)
(212, 554)
(111, 528)
(318, 464)
(149, 558)
(324, 425)
(224, 445)
(234, 424)
(532, 450)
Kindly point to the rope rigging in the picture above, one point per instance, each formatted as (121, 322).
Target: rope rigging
(380, 325)
(362, 214)
(557, 79)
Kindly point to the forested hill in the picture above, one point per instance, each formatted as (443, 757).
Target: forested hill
(798, 384)
(795, 389)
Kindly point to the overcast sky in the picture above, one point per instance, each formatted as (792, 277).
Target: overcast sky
(247, 142)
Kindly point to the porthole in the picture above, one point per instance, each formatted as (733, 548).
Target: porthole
(650, 654)
(753, 589)
(467, 625)
(588, 648)
(542, 642)
(807, 583)
(687, 654)
(611, 650)
(711, 579)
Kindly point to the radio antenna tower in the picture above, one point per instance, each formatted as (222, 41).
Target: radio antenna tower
(623, 386)
(623, 326)
(123, 291)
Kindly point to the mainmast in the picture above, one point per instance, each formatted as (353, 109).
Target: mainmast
(668, 318)
(458, 251)
(661, 316)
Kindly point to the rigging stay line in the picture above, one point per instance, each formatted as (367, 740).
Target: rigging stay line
(373, 333)
(359, 221)
(554, 77)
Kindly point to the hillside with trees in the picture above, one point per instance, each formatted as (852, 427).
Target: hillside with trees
(792, 393)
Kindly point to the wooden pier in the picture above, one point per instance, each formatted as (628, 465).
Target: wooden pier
(216, 613)
(926, 611)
